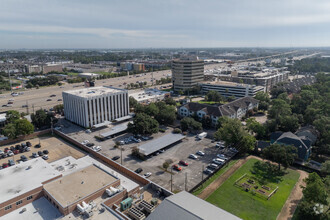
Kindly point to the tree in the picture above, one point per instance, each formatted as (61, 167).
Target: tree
(213, 95)
(170, 101)
(232, 132)
(325, 168)
(278, 109)
(23, 127)
(59, 109)
(41, 119)
(143, 124)
(10, 131)
(284, 97)
(281, 154)
(151, 109)
(12, 116)
(262, 96)
(166, 165)
(255, 127)
(166, 113)
(206, 121)
(263, 106)
(190, 124)
(132, 102)
(289, 123)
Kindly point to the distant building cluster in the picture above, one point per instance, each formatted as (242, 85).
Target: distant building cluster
(131, 66)
(295, 85)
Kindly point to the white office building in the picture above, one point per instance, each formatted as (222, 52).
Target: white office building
(95, 105)
(239, 90)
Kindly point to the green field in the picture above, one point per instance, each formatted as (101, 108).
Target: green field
(214, 177)
(248, 206)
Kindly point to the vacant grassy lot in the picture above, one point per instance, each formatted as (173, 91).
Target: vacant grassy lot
(247, 206)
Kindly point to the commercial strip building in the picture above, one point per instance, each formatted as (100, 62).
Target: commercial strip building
(185, 206)
(91, 106)
(187, 73)
(227, 89)
(235, 109)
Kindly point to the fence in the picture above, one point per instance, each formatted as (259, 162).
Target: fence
(25, 137)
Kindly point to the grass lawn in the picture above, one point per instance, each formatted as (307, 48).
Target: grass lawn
(247, 206)
(214, 177)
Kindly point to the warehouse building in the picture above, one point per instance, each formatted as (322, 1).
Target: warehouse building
(227, 89)
(91, 106)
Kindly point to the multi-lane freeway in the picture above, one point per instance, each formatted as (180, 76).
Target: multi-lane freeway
(37, 98)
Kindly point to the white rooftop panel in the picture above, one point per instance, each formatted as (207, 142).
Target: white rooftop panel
(94, 91)
(24, 177)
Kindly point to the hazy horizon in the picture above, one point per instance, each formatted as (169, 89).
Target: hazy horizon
(147, 24)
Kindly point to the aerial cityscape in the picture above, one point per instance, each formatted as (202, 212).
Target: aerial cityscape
(164, 110)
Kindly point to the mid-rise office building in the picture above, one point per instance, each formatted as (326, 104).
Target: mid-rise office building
(227, 89)
(187, 73)
(91, 106)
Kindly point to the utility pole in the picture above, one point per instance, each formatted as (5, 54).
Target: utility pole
(203, 173)
(27, 107)
(185, 182)
(171, 179)
(33, 108)
(51, 123)
(121, 155)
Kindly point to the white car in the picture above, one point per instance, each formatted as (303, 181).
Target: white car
(85, 142)
(200, 153)
(146, 175)
(193, 156)
(45, 157)
(88, 131)
(97, 148)
(1, 152)
(10, 153)
(218, 161)
(222, 156)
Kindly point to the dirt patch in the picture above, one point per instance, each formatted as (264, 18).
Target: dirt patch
(295, 196)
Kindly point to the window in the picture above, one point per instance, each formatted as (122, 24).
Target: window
(19, 202)
(8, 207)
(28, 198)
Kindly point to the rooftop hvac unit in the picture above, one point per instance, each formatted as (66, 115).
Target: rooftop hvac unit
(136, 214)
(84, 205)
(147, 206)
(81, 209)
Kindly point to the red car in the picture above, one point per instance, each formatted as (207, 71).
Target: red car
(5, 165)
(6, 149)
(176, 167)
(184, 163)
(16, 151)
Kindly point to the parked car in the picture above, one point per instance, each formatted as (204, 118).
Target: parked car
(88, 131)
(146, 175)
(6, 149)
(90, 144)
(28, 144)
(115, 157)
(53, 95)
(10, 153)
(184, 163)
(40, 153)
(193, 156)
(16, 151)
(23, 158)
(45, 152)
(48, 100)
(176, 167)
(145, 138)
(35, 155)
(4, 155)
(27, 149)
(218, 161)
(200, 153)
(212, 166)
(1, 152)
(12, 148)
(37, 146)
(11, 162)
(208, 171)
(45, 157)
(59, 100)
(138, 170)
(222, 156)
(97, 148)
(5, 165)
(233, 149)
(85, 142)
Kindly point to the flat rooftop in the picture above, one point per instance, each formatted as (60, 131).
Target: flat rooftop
(69, 165)
(94, 91)
(159, 143)
(116, 129)
(78, 185)
(24, 177)
(226, 83)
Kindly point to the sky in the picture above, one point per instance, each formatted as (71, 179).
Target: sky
(44, 24)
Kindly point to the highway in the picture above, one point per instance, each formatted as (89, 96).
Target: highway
(37, 98)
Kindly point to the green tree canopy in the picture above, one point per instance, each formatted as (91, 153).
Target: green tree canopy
(214, 96)
(12, 116)
(190, 124)
(280, 154)
(143, 124)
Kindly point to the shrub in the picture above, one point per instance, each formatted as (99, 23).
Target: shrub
(177, 131)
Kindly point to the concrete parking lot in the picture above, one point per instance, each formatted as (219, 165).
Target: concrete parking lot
(191, 174)
(56, 147)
